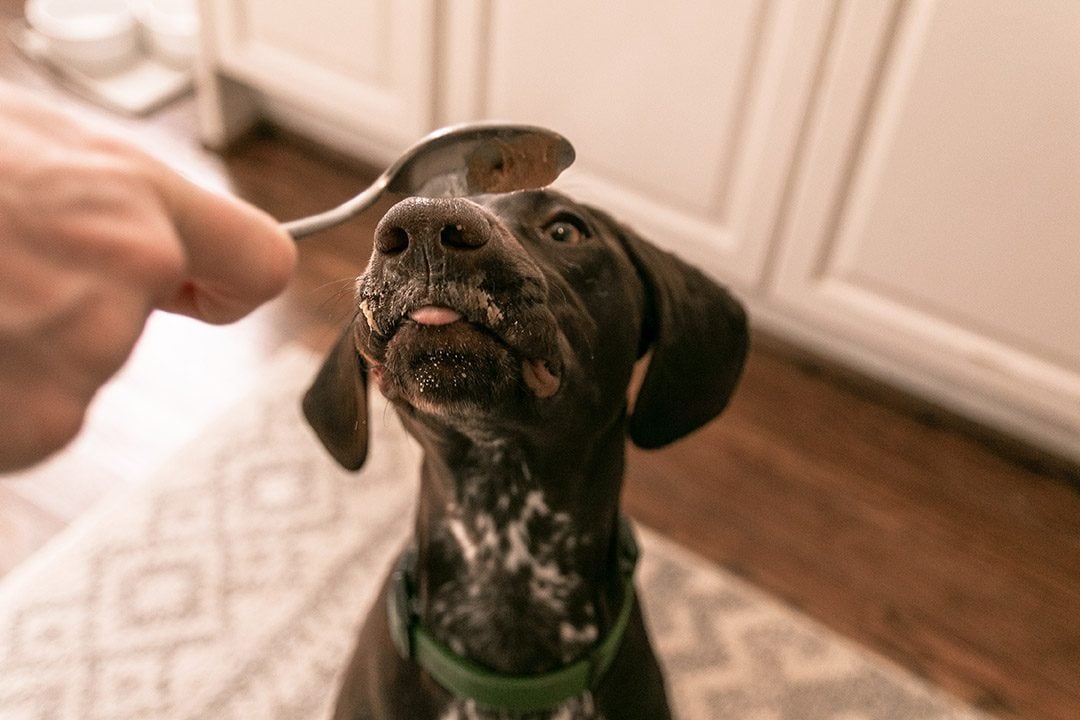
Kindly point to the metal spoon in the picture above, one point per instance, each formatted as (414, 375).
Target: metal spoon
(460, 160)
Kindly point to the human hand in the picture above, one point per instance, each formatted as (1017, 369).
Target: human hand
(94, 235)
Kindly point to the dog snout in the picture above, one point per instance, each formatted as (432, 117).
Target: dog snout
(433, 226)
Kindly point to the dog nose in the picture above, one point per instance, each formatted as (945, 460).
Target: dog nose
(434, 224)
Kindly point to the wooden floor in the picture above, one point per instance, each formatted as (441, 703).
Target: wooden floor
(952, 552)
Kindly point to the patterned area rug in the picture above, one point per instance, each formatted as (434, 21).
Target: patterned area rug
(230, 586)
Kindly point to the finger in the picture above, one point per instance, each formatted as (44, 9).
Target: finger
(238, 257)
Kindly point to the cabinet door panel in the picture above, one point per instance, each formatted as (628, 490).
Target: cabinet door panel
(366, 64)
(936, 217)
(684, 114)
(617, 84)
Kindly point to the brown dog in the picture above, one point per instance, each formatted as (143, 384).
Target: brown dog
(504, 330)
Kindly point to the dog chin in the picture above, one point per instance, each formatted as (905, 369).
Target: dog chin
(452, 369)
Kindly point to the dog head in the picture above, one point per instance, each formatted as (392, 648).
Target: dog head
(526, 312)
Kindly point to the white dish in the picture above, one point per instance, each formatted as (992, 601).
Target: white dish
(138, 89)
(171, 28)
(98, 37)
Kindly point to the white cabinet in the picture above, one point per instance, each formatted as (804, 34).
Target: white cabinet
(360, 71)
(684, 115)
(933, 232)
(894, 183)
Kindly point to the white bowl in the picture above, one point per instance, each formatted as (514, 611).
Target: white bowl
(171, 28)
(96, 36)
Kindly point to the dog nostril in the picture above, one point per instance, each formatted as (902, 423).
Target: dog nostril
(456, 236)
(392, 240)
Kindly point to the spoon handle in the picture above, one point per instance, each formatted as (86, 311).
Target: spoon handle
(302, 227)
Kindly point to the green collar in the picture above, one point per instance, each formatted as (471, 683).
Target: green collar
(496, 691)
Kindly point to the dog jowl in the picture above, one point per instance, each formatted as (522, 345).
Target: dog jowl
(504, 330)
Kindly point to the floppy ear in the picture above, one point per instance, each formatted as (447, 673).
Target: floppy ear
(699, 338)
(336, 403)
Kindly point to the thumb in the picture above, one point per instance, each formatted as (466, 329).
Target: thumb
(238, 257)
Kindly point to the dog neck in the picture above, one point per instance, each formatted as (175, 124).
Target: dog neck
(516, 548)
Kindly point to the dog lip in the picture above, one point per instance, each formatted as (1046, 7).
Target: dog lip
(541, 360)
(540, 378)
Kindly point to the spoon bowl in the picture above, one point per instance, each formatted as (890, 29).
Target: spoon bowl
(460, 160)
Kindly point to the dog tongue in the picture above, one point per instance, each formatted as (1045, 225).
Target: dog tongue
(434, 315)
(539, 379)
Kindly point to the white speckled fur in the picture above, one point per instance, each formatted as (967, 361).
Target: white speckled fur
(493, 527)
(481, 541)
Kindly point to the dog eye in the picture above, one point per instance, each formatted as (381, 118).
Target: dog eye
(567, 228)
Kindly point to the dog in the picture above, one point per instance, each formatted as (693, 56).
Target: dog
(504, 329)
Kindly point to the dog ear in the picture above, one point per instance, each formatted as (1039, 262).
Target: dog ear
(698, 335)
(336, 403)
